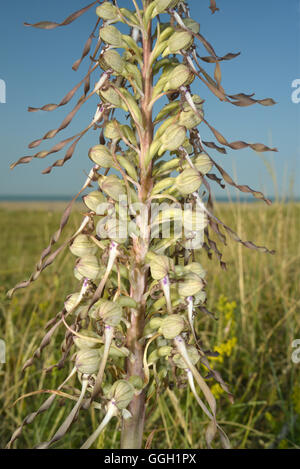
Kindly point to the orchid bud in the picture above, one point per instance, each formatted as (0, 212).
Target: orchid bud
(127, 302)
(83, 246)
(82, 343)
(111, 60)
(74, 303)
(93, 200)
(172, 326)
(203, 163)
(153, 357)
(155, 323)
(193, 356)
(173, 138)
(71, 301)
(188, 181)
(107, 11)
(131, 16)
(113, 229)
(179, 270)
(162, 5)
(110, 313)
(136, 382)
(189, 119)
(129, 134)
(111, 35)
(112, 185)
(180, 76)
(191, 24)
(88, 361)
(122, 392)
(101, 155)
(118, 352)
(132, 71)
(88, 266)
(110, 95)
(200, 298)
(94, 310)
(190, 285)
(128, 166)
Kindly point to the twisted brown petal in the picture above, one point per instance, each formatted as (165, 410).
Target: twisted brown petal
(68, 20)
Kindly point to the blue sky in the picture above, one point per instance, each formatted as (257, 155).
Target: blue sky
(36, 66)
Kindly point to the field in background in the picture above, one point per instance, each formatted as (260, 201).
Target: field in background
(257, 302)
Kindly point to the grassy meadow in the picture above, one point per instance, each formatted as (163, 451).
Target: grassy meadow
(257, 302)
